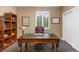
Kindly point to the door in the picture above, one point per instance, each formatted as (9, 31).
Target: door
(71, 27)
(67, 25)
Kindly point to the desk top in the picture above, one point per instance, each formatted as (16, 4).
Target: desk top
(38, 36)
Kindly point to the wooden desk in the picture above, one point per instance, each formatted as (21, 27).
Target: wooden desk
(46, 38)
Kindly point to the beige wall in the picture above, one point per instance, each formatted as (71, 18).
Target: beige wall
(5, 9)
(30, 11)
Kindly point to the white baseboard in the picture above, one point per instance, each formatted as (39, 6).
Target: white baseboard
(71, 45)
(67, 42)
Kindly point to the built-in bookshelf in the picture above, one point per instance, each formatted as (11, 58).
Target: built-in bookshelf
(1, 34)
(8, 30)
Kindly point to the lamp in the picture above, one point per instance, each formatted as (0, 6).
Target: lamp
(23, 28)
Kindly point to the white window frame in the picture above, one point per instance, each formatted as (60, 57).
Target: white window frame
(42, 20)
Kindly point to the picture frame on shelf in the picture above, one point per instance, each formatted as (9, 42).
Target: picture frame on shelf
(55, 20)
(25, 20)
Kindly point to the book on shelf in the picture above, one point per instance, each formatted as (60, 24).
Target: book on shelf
(5, 35)
(13, 33)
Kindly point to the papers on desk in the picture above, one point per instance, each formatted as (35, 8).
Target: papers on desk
(41, 36)
(38, 34)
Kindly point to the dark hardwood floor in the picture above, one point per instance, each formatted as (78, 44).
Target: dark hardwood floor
(64, 47)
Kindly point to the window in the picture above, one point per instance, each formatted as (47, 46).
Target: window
(42, 19)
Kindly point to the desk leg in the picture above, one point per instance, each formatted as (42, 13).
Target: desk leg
(25, 46)
(55, 48)
(52, 46)
(20, 46)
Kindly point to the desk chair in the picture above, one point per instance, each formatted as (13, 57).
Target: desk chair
(39, 30)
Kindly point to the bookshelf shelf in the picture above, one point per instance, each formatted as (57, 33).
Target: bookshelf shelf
(13, 21)
(7, 37)
(1, 39)
(7, 21)
(8, 30)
